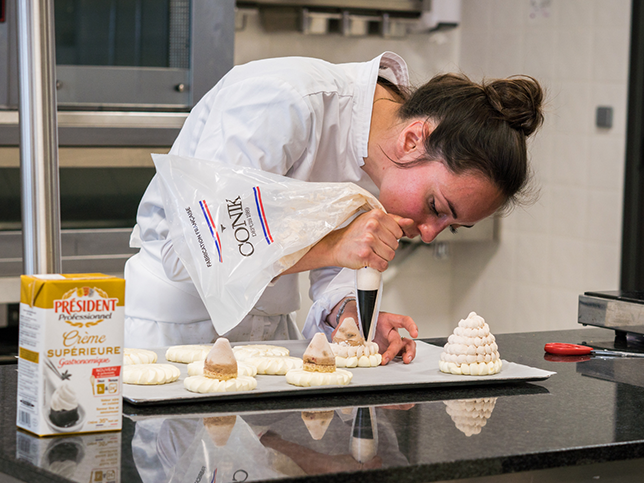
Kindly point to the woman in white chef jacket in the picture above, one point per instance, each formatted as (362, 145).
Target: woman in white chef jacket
(445, 155)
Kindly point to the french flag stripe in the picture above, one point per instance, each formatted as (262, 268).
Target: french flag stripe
(262, 215)
(211, 225)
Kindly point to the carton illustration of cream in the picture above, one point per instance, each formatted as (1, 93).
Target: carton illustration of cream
(70, 353)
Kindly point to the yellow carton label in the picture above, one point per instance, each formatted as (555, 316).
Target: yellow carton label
(71, 353)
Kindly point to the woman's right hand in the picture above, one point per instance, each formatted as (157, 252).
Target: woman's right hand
(370, 240)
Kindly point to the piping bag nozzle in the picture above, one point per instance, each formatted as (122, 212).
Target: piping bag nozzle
(368, 291)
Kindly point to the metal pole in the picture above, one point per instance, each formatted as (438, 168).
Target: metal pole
(38, 138)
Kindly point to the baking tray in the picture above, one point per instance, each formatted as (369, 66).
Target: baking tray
(423, 372)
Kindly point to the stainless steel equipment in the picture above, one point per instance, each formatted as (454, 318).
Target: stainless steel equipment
(351, 18)
(617, 310)
(127, 73)
(38, 138)
(115, 58)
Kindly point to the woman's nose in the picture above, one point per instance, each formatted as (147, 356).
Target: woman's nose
(430, 230)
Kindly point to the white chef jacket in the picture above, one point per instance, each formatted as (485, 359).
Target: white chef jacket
(299, 117)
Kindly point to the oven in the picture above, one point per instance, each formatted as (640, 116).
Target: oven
(127, 74)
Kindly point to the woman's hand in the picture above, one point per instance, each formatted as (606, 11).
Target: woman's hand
(389, 340)
(368, 241)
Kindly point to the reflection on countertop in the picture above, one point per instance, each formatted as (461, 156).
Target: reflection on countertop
(576, 417)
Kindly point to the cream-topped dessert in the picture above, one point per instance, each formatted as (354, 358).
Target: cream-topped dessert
(319, 366)
(471, 349)
(187, 353)
(150, 374)
(274, 366)
(470, 415)
(220, 362)
(318, 356)
(64, 406)
(220, 372)
(259, 350)
(350, 348)
(138, 356)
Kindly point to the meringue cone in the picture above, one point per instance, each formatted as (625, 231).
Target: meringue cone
(220, 362)
(349, 333)
(319, 356)
(219, 428)
(470, 415)
(317, 422)
(471, 349)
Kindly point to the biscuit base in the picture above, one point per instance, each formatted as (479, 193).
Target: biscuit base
(323, 368)
(221, 371)
(243, 369)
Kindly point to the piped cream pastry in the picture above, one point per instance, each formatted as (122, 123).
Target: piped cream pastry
(187, 353)
(471, 349)
(219, 428)
(243, 369)
(274, 366)
(138, 356)
(317, 422)
(470, 415)
(259, 350)
(150, 374)
(350, 348)
(220, 372)
(319, 366)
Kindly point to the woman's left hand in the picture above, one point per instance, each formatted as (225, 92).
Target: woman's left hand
(390, 341)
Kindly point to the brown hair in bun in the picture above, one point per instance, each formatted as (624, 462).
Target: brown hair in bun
(480, 127)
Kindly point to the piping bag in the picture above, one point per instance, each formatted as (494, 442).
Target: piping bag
(364, 435)
(368, 294)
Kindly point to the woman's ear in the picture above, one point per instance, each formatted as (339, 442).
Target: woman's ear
(411, 139)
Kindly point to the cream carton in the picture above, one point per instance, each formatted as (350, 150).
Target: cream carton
(70, 353)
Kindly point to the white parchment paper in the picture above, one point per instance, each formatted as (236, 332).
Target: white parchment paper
(422, 372)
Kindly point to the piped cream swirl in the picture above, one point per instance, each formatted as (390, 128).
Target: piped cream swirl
(64, 398)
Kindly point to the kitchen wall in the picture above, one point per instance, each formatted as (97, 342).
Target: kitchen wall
(568, 241)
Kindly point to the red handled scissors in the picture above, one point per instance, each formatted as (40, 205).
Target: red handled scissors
(578, 350)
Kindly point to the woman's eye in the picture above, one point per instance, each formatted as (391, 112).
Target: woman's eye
(432, 206)
(453, 229)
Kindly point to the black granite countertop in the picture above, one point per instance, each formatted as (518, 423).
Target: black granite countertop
(587, 416)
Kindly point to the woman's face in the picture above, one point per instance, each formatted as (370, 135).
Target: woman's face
(435, 198)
